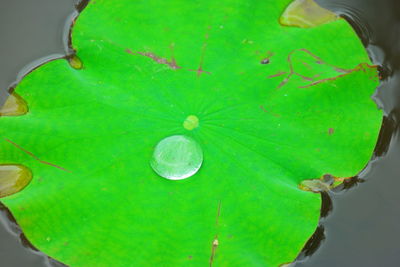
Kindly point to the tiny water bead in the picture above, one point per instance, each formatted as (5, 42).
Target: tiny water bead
(191, 122)
(13, 178)
(177, 157)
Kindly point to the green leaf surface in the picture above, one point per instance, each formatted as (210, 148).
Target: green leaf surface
(275, 106)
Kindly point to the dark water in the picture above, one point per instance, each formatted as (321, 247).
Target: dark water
(361, 223)
(363, 227)
(31, 32)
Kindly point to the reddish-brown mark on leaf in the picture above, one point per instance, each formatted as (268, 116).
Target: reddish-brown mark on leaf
(160, 60)
(307, 65)
(292, 71)
(277, 74)
(331, 131)
(173, 64)
(35, 157)
(215, 242)
(263, 109)
(200, 70)
(266, 111)
(360, 67)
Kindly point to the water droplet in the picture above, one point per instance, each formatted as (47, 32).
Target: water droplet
(177, 157)
(191, 122)
(14, 106)
(13, 178)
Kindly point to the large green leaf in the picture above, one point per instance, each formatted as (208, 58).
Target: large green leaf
(275, 105)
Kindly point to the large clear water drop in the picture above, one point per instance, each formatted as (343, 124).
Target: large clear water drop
(177, 157)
